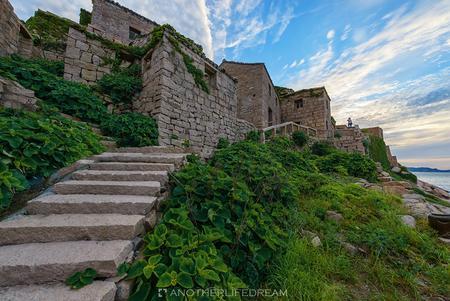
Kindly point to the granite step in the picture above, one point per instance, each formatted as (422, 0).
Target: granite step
(70, 227)
(121, 175)
(149, 188)
(176, 159)
(91, 204)
(132, 166)
(55, 261)
(151, 150)
(97, 291)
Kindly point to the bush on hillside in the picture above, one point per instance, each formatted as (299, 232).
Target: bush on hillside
(321, 148)
(300, 138)
(131, 129)
(122, 85)
(35, 145)
(377, 151)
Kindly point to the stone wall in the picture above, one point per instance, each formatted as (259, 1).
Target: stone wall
(349, 139)
(84, 59)
(255, 92)
(14, 37)
(374, 131)
(392, 159)
(113, 21)
(310, 107)
(13, 95)
(183, 111)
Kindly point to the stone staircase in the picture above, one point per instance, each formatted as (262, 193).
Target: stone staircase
(91, 219)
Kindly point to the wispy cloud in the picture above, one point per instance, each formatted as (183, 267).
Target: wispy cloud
(346, 33)
(370, 81)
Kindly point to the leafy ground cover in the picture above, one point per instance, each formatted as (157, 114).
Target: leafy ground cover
(239, 220)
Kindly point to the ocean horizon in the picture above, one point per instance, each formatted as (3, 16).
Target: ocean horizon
(440, 179)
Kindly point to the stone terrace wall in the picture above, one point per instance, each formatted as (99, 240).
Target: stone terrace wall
(255, 92)
(113, 21)
(375, 131)
(184, 111)
(311, 108)
(351, 139)
(392, 159)
(13, 95)
(83, 60)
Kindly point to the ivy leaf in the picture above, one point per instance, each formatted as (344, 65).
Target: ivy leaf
(209, 275)
(165, 280)
(160, 269)
(148, 271)
(174, 241)
(185, 280)
(123, 269)
(219, 265)
(201, 280)
(90, 273)
(187, 265)
(136, 269)
(142, 291)
(154, 260)
(155, 242)
(160, 230)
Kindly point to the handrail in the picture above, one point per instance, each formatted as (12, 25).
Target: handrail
(286, 129)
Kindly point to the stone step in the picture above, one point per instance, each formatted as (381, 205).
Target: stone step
(70, 227)
(385, 179)
(148, 188)
(132, 166)
(151, 150)
(91, 204)
(121, 175)
(97, 291)
(55, 261)
(176, 159)
(109, 145)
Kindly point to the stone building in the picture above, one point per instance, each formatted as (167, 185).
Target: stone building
(309, 107)
(118, 23)
(14, 37)
(258, 102)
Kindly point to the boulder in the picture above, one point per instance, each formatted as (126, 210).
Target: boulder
(334, 216)
(396, 169)
(316, 242)
(408, 220)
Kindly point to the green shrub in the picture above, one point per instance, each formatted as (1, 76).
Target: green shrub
(300, 138)
(254, 136)
(85, 17)
(321, 148)
(377, 151)
(35, 144)
(122, 85)
(223, 143)
(131, 129)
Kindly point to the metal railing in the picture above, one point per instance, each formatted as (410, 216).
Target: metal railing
(285, 129)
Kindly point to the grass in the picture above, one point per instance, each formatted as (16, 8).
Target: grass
(396, 262)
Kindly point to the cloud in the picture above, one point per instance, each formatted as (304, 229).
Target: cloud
(330, 34)
(244, 7)
(347, 30)
(372, 81)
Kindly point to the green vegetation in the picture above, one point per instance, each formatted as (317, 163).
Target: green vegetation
(37, 144)
(239, 221)
(81, 279)
(122, 84)
(131, 129)
(377, 151)
(80, 101)
(300, 138)
(85, 17)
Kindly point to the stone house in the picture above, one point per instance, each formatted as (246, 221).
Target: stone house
(309, 107)
(258, 102)
(118, 23)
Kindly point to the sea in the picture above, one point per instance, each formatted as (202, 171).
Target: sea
(440, 179)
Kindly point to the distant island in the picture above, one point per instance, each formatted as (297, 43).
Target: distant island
(426, 169)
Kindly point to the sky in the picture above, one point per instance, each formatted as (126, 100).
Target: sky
(383, 62)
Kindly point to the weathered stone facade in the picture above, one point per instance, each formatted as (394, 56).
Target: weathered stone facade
(84, 58)
(184, 112)
(374, 131)
(14, 37)
(309, 107)
(13, 95)
(392, 159)
(258, 102)
(349, 139)
(118, 23)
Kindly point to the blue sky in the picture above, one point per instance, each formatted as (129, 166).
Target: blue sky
(383, 62)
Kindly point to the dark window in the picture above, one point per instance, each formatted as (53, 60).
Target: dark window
(270, 117)
(134, 33)
(299, 103)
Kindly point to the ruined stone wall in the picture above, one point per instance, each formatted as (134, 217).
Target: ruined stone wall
(374, 131)
(255, 93)
(310, 108)
(113, 21)
(183, 111)
(84, 59)
(349, 139)
(392, 159)
(13, 95)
